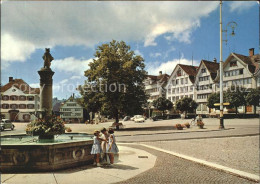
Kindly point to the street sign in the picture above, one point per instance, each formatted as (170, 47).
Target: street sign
(218, 104)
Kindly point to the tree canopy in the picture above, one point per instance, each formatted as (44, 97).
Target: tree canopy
(115, 81)
(186, 104)
(253, 98)
(212, 99)
(162, 104)
(236, 97)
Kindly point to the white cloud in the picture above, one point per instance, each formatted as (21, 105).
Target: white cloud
(157, 54)
(14, 49)
(71, 64)
(64, 81)
(240, 6)
(137, 52)
(167, 67)
(35, 85)
(76, 77)
(41, 24)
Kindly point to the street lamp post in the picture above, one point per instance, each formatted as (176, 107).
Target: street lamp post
(232, 25)
(221, 118)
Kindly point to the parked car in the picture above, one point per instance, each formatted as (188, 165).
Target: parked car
(156, 118)
(126, 118)
(139, 119)
(133, 118)
(6, 124)
(167, 116)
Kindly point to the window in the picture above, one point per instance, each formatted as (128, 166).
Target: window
(67, 114)
(187, 88)
(22, 106)
(30, 98)
(177, 90)
(5, 97)
(173, 99)
(177, 98)
(22, 98)
(181, 81)
(173, 82)
(241, 72)
(169, 98)
(13, 106)
(14, 98)
(191, 96)
(26, 117)
(77, 114)
(233, 63)
(173, 90)
(5, 106)
(179, 73)
(71, 104)
(30, 106)
(191, 88)
(203, 70)
(177, 81)
(249, 81)
(186, 81)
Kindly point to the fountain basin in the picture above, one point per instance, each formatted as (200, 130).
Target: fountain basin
(23, 153)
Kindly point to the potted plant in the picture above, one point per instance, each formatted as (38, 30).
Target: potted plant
(187, 125)
(178, 126)
(200, 124)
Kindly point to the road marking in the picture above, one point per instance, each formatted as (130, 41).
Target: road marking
(236, 172)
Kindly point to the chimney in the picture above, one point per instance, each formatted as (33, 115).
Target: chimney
(251, 52)
(73, 95)
(215, 60)
(11, 79)
(160, 72)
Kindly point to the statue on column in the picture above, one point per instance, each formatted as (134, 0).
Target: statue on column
(47, 57)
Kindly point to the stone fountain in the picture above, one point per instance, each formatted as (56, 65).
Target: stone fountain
(27, 153)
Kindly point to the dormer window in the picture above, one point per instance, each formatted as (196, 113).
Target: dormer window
(179, 73)
(203, 70)
(233, 63)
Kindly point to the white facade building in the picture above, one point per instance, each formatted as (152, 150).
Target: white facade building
(155, 86)
(71, 111)
(19, 101)
(205, 84)
(181, 83)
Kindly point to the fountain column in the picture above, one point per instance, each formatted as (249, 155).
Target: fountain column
(46, 85)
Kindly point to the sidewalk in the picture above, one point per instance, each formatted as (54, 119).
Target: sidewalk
(129, 165)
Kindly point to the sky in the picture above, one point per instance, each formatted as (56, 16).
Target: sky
(163, 33)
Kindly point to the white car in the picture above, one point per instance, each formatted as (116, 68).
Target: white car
(133, 118)
(6, 124)
(139, 119)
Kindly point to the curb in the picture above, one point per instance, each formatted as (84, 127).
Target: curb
(181, 139)
(242, 174)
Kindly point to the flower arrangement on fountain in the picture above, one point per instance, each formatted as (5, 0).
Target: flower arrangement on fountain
(51, 126)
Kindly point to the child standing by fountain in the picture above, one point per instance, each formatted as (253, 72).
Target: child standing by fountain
(112, 147)
(96, 148)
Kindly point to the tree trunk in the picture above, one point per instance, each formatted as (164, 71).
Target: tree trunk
(236, 110)
(254, 109)
(117, 119)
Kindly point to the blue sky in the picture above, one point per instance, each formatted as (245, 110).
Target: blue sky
(164, 33)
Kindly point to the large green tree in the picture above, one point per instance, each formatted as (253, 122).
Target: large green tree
(212, 99)
(115, 80)
(186, 104)
(162, 104)
(236, 97)
(253, 98)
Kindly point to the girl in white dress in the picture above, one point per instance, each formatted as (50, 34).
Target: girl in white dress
(96, 148)
(112, 147)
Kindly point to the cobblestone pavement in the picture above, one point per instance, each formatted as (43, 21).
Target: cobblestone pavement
(170, 170)
(241, 153)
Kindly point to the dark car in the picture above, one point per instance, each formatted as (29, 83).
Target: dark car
(168, 116)
(6, 124)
